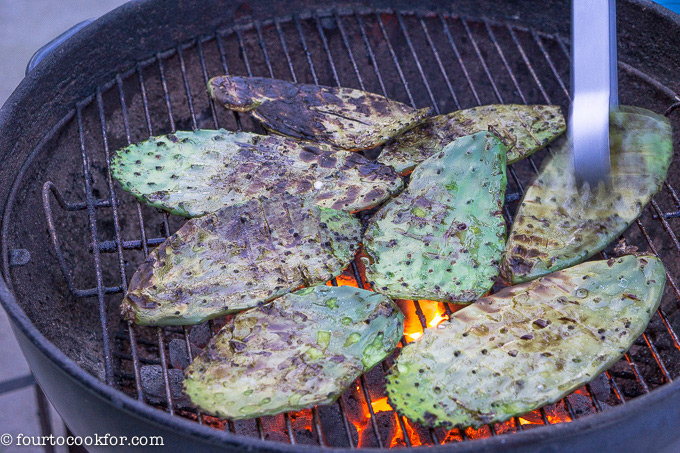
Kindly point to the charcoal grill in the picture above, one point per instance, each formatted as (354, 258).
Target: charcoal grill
(71, 238)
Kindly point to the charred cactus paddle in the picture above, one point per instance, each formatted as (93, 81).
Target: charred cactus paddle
(300, 350)
(557, 226)
(193, 173)
(526, 346)
(350, 119)
(524, 129)
(442, 238)
(238, 257)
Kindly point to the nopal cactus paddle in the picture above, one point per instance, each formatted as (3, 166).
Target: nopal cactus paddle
(238, 257)
(524, 129)
(557, 226)
(441, 239)
(527, 345)
(344, 117)
(298, 351)
(193, 173)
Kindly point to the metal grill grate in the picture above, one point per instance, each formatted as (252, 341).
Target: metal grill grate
(435, 59)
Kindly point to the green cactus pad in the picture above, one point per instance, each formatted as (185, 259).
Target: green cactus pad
(524, 129)
(193, 173)
(526, 346)
(343, 117)
(442, 238)
(238, 257)
(299, 351)
(557, 226)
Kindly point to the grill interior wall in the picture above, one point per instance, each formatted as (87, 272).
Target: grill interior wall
(445, 62)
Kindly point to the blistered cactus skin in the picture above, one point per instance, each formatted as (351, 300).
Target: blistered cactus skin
(301, 350)
(343, 117)
(442, 238)
(238, 257)
(526, 346)
(524, 129)
(194, 173)
(557, 226)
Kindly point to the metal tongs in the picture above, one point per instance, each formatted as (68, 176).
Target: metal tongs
(594, 86)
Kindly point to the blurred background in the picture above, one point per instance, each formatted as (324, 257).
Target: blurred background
(25, 26)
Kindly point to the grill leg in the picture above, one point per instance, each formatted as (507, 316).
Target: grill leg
(44, 416)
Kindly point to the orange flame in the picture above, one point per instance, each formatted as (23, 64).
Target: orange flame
(433, 312)
(381, 405)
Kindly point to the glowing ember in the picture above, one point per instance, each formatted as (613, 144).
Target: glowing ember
(431, 314)
(381, 405)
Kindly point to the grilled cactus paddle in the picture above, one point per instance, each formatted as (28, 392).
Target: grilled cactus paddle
(558, 226)
(238, 257)
(524, 129)
(343, 117)
(301, 350)
(193, 173)
(526, 346)
(442, 238)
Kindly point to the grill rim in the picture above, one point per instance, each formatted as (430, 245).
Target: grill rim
(33, 339)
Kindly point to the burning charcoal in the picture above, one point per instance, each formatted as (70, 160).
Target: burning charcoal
(200, 334)
(153, 385)
(600, 387)
(276, 436)
(581, 404)
(177, 350)
(332, 425)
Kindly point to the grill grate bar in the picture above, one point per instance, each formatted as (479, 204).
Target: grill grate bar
(417, 61)
(284, 46)
(395, 60)
(528, 63)
(119, 249)
(350, 54)
(327, 49)
(223, 60)
(289, 428)
(369, 50)
(243, 52)
(550, 62)
(367, 398)
(305, 49)
(426, 32)
(316, 422)
(166, 228)
(263, 47)
(108, 356)
(478, 52)
(461, 63)
(345, 421)
(187, 89)
(260, 429)
(206, 78)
